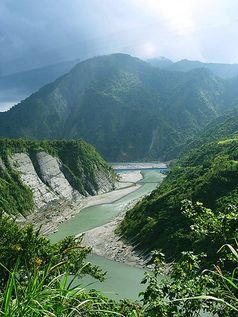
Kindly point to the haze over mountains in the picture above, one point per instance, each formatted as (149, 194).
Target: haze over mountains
(126, 108)
(222, 70)
(17, 86)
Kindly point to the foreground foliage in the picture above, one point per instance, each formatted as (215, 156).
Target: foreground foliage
(42, 295)
(30, 250)
(189, 290)
(38, 278)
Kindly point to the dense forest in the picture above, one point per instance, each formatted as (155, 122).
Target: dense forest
(200, 190)
(190, 219)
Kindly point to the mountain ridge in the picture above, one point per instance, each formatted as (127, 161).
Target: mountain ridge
(223, 70)
(105, 99)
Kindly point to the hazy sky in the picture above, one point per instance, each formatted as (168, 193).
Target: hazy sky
(40, 32)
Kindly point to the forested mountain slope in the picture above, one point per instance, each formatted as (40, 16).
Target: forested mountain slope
(219, 128)
(207, 174)
(126, 108)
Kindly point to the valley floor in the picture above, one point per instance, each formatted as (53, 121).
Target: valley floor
(54, 215)
(103, 240)
(106, 243)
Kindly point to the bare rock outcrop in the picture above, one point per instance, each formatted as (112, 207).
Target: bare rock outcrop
(44, 175)
(42, 194)
(2, 164)
(50, 172)
(104, 181)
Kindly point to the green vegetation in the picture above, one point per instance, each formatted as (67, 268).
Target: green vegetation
(38, 278)
(126, 108)
(165, 220)
(188, 289)
(138, 112)
(220, 128)
(80, 162)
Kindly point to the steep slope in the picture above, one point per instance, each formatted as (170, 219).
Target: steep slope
(33, 175)
(219, 128)
(126, 108)
(208, 174)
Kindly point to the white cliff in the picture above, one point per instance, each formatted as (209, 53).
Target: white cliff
(44, 175)
(49, 169)
(42, 194)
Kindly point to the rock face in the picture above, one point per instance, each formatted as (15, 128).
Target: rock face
(2, 164)
(42, 194)
(50, 172)
(41, 175)
(104, 182)
(44, 176)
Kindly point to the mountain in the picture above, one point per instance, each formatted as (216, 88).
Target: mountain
(18, 86)
(126, 108)
(161, 62)
(36, 174)
(219, 128)
(225, 71)
(165, 220)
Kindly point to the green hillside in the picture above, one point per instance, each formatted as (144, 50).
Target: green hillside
(79, 162)
(219, 128)
(208, 174)
(126, 108)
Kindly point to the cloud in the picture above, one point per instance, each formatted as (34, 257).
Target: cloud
(37, 33)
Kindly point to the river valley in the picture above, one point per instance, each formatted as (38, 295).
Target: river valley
(123, 280)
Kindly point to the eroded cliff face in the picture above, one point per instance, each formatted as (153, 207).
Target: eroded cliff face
(44, 175)
(51, 174)
(42, 194)
(41, 175)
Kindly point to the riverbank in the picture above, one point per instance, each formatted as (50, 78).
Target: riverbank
(106, 243)
(123, 280)
(101, 238)
(138, 165)
(128, 178)
(50, 218)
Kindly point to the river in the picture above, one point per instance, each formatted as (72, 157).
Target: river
(123, 281)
